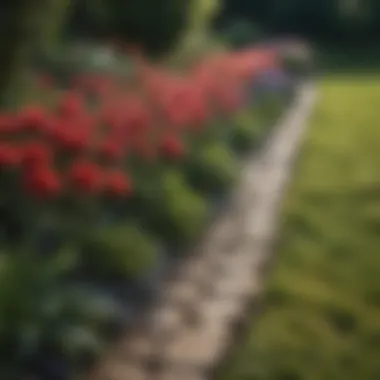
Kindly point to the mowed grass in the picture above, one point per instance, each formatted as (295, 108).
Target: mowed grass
(321, 319)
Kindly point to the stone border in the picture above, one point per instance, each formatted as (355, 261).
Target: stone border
(203, 308)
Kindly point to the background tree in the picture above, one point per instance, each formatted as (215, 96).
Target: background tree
(154, 25)
(25, 26)
(324, 21)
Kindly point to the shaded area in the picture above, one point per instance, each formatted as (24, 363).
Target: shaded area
(355, 59)
(346, 22)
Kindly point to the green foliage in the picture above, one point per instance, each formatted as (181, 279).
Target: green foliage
(241, 33)
(81, 344)
(122, 250)
(270, 106)
(53, 18)
(24, 282)
(20, 31)
(29, 301)
(298, 60)
(247, 132)
(202, 13)
(159, 27)
(198, 40)
(212, 169)
(155, 25)
(321, 319)
(324, 21)
(176, 213)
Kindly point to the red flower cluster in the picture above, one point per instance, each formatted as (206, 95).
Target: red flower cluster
(82, 144)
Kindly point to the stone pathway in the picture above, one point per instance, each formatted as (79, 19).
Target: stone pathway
(202, 309)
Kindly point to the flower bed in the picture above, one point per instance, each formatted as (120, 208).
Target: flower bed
(105, 185)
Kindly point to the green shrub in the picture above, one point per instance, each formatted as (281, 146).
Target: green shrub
(81, 344)
(247, 132)
(30, 300)
(270, 108)
(175, 213)
(212, 169)
(240, 33)
(154, 25)
(297, 59)
(118, 251)
(70, 60)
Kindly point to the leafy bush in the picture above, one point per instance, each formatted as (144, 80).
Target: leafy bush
(154, 25)
(177, 214)
(297, 59)
(213, 169)
(247, 133)
(83, 58)
(118, 251)
(241, 33)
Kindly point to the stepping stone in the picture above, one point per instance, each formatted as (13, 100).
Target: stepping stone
(182, 373)
(199, 347)
(168, 319)
(234, 286)
(114, 370)
(181, 292)
(137, 346)
(221, 310)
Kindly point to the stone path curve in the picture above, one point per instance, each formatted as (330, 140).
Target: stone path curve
(189, 332)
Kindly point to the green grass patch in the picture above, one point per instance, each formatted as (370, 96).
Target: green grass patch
(321, 319)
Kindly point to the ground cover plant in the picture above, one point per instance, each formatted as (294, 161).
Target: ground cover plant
(105, 178)
(321, 311)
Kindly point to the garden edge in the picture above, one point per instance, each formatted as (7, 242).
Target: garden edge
(191, 333)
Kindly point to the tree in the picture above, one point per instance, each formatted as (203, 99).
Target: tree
(321, 20)
(156, 25)
(21, 31)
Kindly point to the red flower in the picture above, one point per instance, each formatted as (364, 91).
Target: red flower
(75, 141)
(70, 139)
(70, 105)
(145, 151)
(227, 96)
(171, 147)
(42, 182)
(110, 150)
(8, 123)
(176, 106)
(9, 155)
(177, 117)
(36, 154)
(137, 119)
(198, 107)
(199, 114)
(117, 183)
(91, 84)
(79, 82)
(33, 118)
(143, 147)
(85, 176)
(113, 120)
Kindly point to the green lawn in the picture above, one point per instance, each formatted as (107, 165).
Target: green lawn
(322, 315)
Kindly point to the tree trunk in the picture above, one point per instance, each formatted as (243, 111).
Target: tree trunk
(22, 23)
